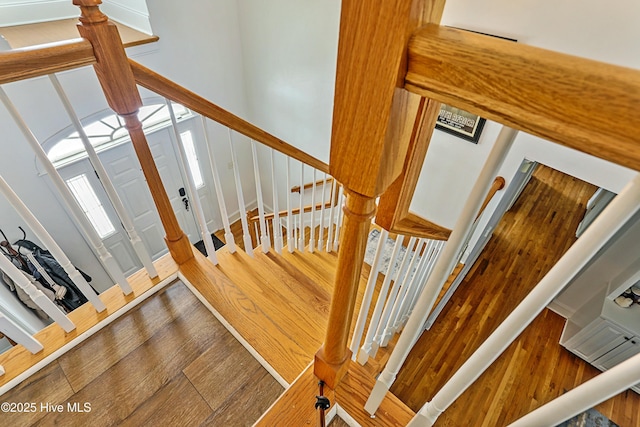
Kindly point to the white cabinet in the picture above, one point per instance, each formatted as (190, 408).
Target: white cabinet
(604, 344)
(600, 331)
(597, 339)
(624, 351)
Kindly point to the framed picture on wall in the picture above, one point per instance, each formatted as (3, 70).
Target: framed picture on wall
(460, 123)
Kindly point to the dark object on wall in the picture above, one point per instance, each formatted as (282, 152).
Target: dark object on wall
(460, 123)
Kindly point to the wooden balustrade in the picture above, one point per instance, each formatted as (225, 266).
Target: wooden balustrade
(165, 87)
(118, 83)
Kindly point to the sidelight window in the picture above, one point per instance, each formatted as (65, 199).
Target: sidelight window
(93, 209)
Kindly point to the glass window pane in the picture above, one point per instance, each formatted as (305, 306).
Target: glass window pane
(109, 130)
(192, 158)
(65, 148)
(93, 209)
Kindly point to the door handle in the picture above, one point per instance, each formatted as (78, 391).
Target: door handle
(185, 200)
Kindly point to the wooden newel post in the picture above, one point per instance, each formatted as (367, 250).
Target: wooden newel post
(331, 361)
(373, 123)
(119, 86)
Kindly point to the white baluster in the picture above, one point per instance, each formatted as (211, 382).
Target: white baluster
(433, 256)
(192, 191)
(322, 209)
(613, 218)
(443, 268)
(330, 227)
(587, 395)
(383, 336)
(242, 208)
(301, 215)
(42, 234)
(277, 227)
(368, 295)
(19, 335)
(313, 214)
(264, 240)
(36, 295)
(367, 347)
(336, 238)
(432, 318)
(291, 241)
(76, 212)
(121, 211)
(396, 313)
(228, 235)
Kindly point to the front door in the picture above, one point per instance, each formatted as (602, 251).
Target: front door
(123, 168)
(126, 174)
(87, 189)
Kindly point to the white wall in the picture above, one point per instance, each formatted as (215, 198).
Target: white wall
(289, 53)
(210, 36)
(16, 12)
(596, 277)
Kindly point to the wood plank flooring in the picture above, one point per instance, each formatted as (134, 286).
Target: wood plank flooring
(534, 369)
(17, 360)
(279, 303)
(169, 362)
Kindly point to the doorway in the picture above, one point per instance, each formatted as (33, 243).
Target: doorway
(123, 169)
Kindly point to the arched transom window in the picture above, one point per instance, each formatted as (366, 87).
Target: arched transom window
(109, 131)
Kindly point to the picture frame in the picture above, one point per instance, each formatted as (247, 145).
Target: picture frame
(460, 123)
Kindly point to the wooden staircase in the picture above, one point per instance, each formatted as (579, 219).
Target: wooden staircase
(278, 304)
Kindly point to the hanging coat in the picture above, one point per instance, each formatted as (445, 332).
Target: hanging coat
(73, 297)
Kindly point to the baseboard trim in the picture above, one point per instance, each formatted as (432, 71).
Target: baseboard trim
(235, 333)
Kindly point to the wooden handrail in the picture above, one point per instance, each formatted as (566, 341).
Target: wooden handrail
(580, 103)
(393, 208)
(165, 87)
(35, 61)
(498, 184)
(309, 185)
(294, 211)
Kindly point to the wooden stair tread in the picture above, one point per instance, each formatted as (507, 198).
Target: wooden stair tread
(246, 315)
(296, 406)
(318, 266)
(353, 392)
(279, 295)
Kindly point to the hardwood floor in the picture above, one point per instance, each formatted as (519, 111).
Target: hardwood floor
(278, 304)
(535, 369)
(169, 362)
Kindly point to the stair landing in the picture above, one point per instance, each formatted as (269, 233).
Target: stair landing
(278, 304)
(271, 300)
